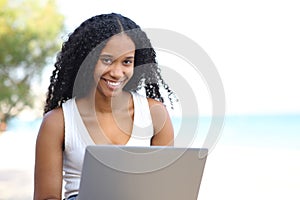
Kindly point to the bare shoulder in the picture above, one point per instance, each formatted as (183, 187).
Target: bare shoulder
(53, 125)
(54, 119)
(163, 129)
(54, 115)
(157, 108)
(153, 102)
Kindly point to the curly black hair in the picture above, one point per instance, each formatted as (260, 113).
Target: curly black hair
(76, 61)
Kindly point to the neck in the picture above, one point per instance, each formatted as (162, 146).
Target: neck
(103, 104)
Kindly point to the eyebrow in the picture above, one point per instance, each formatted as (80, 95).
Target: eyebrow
(110, 56)
(106, 56)
(130, 57)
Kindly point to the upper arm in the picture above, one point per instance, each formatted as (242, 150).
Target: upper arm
(163, 128)
(49, 157)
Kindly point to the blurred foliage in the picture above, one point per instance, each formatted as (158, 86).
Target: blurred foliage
(29, 39)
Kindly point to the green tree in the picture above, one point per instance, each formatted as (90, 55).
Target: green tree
(29, 38)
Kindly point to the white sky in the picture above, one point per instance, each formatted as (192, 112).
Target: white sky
(255, 45)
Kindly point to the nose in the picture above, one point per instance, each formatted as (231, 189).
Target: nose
(116, 71)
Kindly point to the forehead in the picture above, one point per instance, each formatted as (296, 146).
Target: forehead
(119, 45)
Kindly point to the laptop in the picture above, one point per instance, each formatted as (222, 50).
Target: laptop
(113, 172)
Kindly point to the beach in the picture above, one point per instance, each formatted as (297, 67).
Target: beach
(16, 165)
(233, 170)
(251, 173)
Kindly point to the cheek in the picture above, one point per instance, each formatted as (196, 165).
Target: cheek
(130, 72)
(99, 70)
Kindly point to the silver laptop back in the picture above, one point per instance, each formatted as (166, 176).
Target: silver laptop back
(141, 173)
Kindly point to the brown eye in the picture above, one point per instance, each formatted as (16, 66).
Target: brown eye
(128, 62)
(106, 61)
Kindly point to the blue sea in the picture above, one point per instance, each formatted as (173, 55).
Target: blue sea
(268, 131)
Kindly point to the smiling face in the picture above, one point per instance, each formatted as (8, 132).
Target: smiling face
(115, 65)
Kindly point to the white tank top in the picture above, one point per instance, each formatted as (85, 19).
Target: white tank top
(77, 138)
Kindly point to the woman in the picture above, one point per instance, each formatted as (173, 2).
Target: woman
(94, 98)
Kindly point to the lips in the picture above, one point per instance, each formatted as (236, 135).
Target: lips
(112, 84)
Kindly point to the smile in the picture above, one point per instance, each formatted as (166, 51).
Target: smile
(113, 84)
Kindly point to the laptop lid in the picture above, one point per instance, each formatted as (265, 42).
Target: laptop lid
(141, 173)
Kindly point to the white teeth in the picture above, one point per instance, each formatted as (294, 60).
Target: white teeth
(113, 83)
